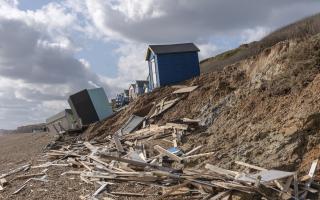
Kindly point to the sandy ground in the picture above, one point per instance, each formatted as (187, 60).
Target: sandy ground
(18, 149)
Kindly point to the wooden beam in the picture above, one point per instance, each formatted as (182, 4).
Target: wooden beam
(19, 169)
(221, 195)
(250, 166)
(177, 126)
(193, 150)
(90, 147)
(221, 171)
(137, 163)
(118, 143)
(167, 153)
(198, 155)
(28, 176)
(185, 90)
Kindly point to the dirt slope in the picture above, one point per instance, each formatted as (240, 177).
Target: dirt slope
(264, 110)
(306, 27)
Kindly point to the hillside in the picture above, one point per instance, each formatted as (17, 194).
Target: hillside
(303, 28)
(263, 110)
(257, 110)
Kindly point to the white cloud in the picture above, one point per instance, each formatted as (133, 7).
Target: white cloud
(207, 50)
(254, 34)
(38, 69)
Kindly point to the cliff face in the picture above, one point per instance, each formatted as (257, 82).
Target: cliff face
(264, 110)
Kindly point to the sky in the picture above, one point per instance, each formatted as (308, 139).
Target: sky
(50, 49)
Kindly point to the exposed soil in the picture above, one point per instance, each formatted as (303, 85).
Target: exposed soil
(264, 110)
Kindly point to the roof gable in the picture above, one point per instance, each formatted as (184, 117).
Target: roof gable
(171, 48)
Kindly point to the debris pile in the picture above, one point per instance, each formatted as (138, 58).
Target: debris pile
(151, 155)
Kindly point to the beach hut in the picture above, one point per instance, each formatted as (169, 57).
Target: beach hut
(173, 63)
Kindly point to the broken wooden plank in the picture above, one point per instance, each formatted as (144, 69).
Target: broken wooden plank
(166, 106)
(221, 195)
(132, 124)
(19, 189)
(19, 169)
(190, 121)
(90, 147)
(193, 150)
(167, 153)
(250, 166)
(311, 174)
(295, 186)
(28, 176)
(198, 155)
(131, 194)
(284, 192)
(177, 126)
(101, 188)
(221, 171)
(102, 163)
(118, 143)
(185, 90)
(85, 165)
(266, 176)
(137, 163)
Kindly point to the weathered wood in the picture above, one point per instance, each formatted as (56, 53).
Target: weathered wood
(295, 186)
(221, 195)
(118, 143)
(167, 153)
(198, 155)
(185, 90)
(167, 174)
(284, 192)
(193, 150)
(137, 163)
(102, 163)
(166, 106)
(85, 165)
(221, 171)
(265, 175)
(19, 189)
(102, 187)
(45, 165)
(177, 126)
(131, 194)
(311, 174)
(28, 176)
(250, 166)
(19, 169)
(90, 147)
(187, 120)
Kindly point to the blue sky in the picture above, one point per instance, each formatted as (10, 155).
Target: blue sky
(51, 49)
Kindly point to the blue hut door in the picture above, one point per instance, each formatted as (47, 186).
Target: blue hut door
(154, 74)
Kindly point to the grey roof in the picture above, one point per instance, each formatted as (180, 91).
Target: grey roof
(172, 48)
(58, 116)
